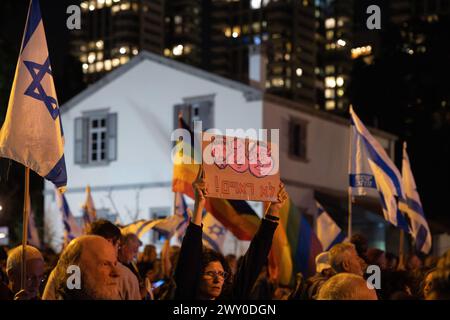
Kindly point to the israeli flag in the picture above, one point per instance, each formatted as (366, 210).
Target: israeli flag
(71, 228)
(89, 212)
(214, 232)
(371, 167)
(328, 232)
(412, 207)
(32, 132)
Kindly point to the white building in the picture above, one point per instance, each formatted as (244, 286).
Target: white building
(117, 135)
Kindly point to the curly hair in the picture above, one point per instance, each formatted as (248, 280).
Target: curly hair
(208, 256)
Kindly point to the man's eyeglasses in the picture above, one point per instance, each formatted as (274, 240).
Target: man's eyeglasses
(213, 274)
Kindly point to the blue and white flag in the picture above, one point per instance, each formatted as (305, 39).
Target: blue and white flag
(371, 167)
(181, 209)
(327, 230)
(412, 207)
(89, 212)
(214, 232)
(32, 132)
(71, 227)
(33, 234)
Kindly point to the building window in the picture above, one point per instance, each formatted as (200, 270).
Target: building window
(297, 138)
(96, 138)
(196, 109)
(330, 105)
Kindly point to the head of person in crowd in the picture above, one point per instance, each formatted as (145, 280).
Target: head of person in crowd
(346, 286)
(323, 265)
(107, 230)
(414, 263)
(377, 257)
(360, 243)
(395, 283)
(391, 261)
(440, 288)
(149, 254)
(427, 283)
(232, 262)
(344, 258)
(129, 248)
(215, 276)
(34, 272)
(430, 262)
(95, 259)
(156, 273)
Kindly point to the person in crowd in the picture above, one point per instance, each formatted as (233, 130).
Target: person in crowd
(396, 284)
(361, 246)
(427, 283)
(391, 261)
(146, 260)
(440, 288)
(324, 271)
(33, 277)
(204, 274)
(128, 251)
(346, 286)
(414, 263)
(96, 259)
(376, 257)
(430, 262)
(344, 258)
(127, 282)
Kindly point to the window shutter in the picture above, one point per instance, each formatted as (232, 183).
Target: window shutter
(186, 111)
(206, 114)
(112, 136)
(81, 140)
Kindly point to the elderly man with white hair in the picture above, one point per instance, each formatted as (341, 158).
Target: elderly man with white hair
(344, 258)
(97, 261)
(346, 286)
(34, 272)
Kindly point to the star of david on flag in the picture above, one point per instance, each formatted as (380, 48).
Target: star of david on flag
(32, 133)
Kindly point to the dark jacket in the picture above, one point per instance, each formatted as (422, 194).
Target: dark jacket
(189, 267)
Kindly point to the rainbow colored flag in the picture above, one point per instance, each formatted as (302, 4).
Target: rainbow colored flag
(295, 245)
(236, 215)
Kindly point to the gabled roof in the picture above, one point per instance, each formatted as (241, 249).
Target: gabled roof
(250, 93)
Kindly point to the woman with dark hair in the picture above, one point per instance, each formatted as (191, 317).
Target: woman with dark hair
(204, 274)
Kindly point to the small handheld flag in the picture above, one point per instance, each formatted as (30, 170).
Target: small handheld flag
(71, 228)
(412, 207)
(32, 132)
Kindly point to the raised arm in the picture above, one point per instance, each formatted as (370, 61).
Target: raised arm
(256, 255)
(188, 269)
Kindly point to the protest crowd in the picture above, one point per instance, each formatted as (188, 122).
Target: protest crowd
(111, 267)
(107, 262)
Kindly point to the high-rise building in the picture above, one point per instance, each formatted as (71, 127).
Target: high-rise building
(184, 31)
(113, 31)
(285, 30)
(336, 62)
